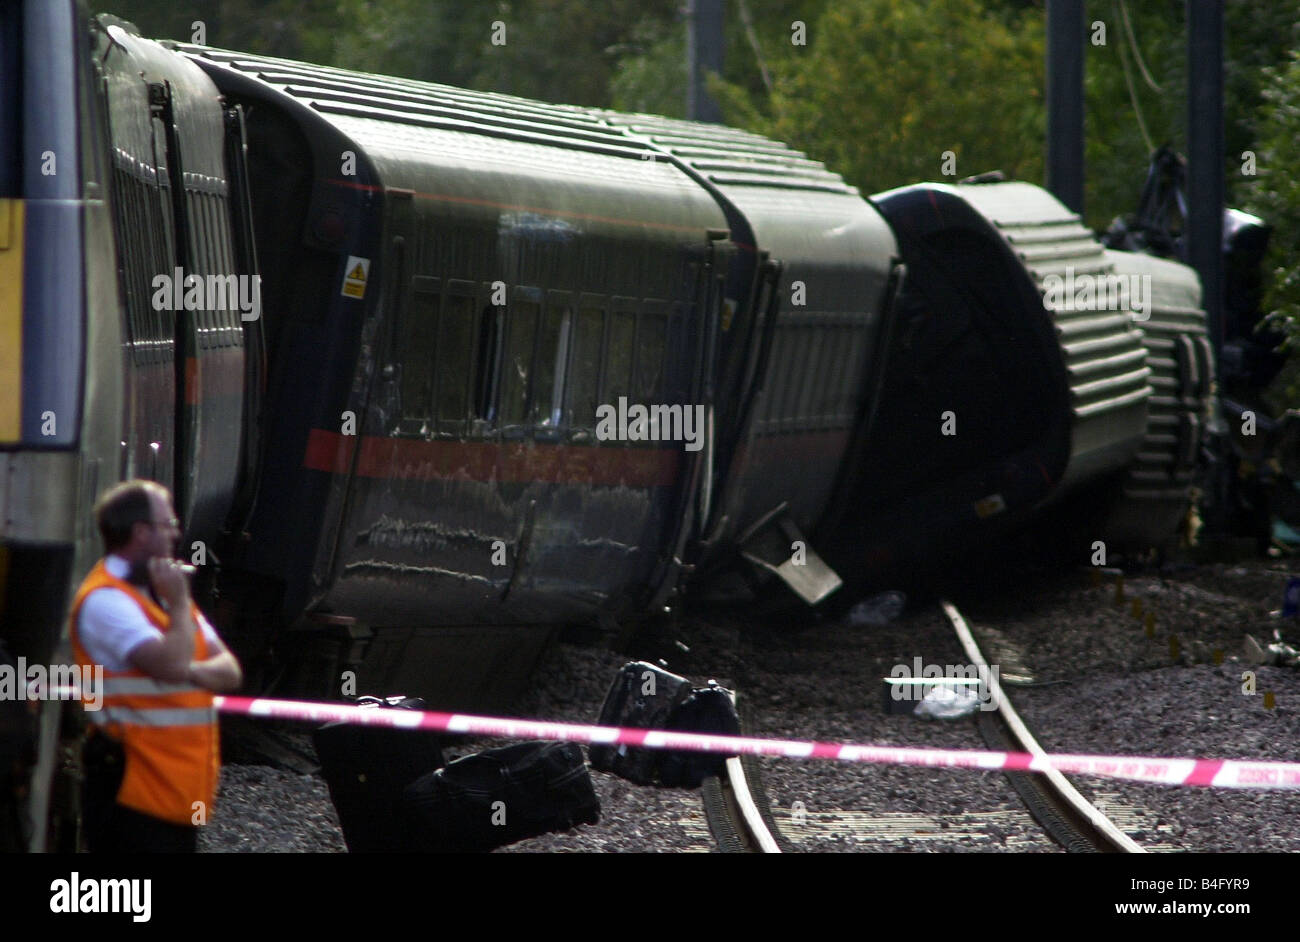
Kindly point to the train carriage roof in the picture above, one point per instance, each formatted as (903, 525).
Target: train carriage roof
(479, 152)
(615, 162)
(800, 211)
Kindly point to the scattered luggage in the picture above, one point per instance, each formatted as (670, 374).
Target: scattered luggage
(368, 768)
(642, 696)
(710, 709)
(500, 796)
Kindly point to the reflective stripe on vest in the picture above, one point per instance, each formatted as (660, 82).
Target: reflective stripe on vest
(161, 716)
(120, 684)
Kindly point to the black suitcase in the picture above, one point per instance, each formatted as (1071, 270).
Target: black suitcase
(367, 768)
(642, 696)
(500, 796)
(708, 709)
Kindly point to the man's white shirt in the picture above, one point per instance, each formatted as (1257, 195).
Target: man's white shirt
(112, 625)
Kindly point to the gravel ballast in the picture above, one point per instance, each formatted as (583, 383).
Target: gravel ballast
(1102, 685)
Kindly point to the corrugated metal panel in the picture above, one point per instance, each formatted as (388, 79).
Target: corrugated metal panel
(425, 104)
(1178, 355)
(731, 157)
(1103, 348)
(724, 155)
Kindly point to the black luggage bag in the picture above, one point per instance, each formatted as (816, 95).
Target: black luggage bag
(708, 709)
(367, 768)
(500, 796)
(642, 696)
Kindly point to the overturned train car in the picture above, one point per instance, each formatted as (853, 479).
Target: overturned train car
(466, 299)
(1029, 368)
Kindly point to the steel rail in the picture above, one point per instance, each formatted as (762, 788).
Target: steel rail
(1078, 812)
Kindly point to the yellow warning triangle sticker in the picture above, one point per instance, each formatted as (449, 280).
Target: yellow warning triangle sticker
(357, 274)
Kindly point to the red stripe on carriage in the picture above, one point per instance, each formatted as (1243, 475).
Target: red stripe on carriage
(510, 463)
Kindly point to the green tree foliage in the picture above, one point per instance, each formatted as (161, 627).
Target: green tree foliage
(883, 89)
(651, 76)
(291, 29)
(560, 51)
(1274, 194)
(554, 50)
(1148, 40)
(1134, 81)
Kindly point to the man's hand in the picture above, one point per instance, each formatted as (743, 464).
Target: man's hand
(169, 659)
(170, 582)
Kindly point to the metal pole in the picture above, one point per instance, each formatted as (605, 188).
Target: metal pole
(1066, 33)
(1205, 185)
(704, 46)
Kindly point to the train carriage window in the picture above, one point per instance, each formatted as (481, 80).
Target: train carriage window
(521, 337)
(124, 209)
(552, 360)
(142, 261)
(157, 212)
(795, 377)
(209, 264)
(230, 318)
(848, 389)
(211, 267)
(814, 374)
(194, 264)
(782, 353)
(841, 340)
(584, 384)
(455, 346)
(144, 258)
(416, 335)
(186, 262)
(217, 315)
(618, 368)
(781, 384)
(679, 366)
(651, 342)
(827, 392)
(121, 202)
(486, 379)
(767, 409)
(221, 311)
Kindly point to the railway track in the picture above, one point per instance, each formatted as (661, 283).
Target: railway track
(737, 808)
(741, 820)
(1071, 819)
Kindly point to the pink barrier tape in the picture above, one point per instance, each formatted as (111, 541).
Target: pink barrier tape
(1218, 773)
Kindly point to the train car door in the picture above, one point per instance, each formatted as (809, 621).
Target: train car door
(693, 506)
(140, 200)
(209, 334)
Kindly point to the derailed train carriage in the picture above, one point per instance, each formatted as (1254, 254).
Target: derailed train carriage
(397, 465)
(1030, 368)
(525, 265)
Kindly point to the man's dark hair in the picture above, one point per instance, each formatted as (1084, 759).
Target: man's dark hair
(121, 507)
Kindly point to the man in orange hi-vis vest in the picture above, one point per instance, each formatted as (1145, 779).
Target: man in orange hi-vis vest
(152, 756)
